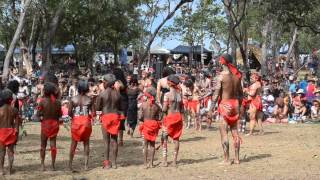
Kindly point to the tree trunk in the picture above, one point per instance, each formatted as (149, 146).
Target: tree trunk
(15, 40)
(294, 38)
(47, 61)
(265, 31)
(35, 40)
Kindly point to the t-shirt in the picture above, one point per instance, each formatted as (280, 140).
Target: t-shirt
(303, 85)
(293, 88)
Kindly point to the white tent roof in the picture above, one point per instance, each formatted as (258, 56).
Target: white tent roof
(159, 50)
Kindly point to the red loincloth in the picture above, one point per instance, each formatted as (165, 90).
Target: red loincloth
(257, 103)
(8, 136)
(229, 110)
(193, 105)
(174, 124)
(150, 129)
(111, 122)
(50, 127)
(185, 104)
(81, 128)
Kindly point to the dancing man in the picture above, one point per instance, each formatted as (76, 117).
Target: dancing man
(81, 111)
(109, 102)
(229, 92)
(9, 127)
(150, 127)
(49, 111)
(173, 122)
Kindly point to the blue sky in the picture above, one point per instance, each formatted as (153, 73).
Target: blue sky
(173, 41)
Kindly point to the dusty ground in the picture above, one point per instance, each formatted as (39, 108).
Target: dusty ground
(284, 152)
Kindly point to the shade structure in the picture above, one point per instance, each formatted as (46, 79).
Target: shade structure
(159, 50)
(253, 51)
(188, 49)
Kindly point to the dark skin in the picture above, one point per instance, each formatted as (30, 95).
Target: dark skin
(51, 110)
(149, 112)
(109, 102)
(172, 104)
(228, 87)
(8, 119)
(81, 102)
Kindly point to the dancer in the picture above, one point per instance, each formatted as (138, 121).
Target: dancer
(173, 122)
(49, 111)
(109, 102)
(9, 127)
(229, 92)
(81, 110)
(255, 103)
(151, 125)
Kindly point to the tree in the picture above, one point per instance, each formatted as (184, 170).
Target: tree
(192, 26)
(154, 8)
(24, 10)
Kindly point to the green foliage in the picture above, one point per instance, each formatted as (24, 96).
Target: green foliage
(191, 26)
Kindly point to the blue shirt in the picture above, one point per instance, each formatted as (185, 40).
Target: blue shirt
(303, 85)
(293, 88)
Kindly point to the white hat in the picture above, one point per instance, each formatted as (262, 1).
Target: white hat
(291, 78)
(300, 91)
(270, 98)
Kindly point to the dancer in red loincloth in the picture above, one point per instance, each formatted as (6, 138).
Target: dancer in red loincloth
(49, 111)
(229, 92)
(173, 122)
(255, 103)
(9, 127)
(81, 111)
(151, 125)
(109, 102)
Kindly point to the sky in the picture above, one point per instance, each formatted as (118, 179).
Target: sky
(174, 40)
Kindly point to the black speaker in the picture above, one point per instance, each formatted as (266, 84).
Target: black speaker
(158, 69)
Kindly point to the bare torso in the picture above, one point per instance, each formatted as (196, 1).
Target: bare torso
(50, 110)
(109, 101)
(7, 116)
(173, 102)
(80, 105)
(150, 112)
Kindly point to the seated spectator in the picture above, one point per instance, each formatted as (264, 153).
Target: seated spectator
(315, 110)
(317, 94)
(280, 112)
(300, 112)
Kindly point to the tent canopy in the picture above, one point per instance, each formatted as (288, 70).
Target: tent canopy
(253, 50)
(159, 50)
(187, 49)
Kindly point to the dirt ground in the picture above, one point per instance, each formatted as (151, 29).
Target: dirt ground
(284, 152)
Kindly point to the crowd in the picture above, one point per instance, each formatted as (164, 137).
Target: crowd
(121, 100)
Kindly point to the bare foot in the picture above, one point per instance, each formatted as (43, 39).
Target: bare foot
(53, 168)
(174, 164)
(115, 166)
(164, 164)
(86, 168)
(236, 162)
(2, 173)
(226, 162)
(150, 165)
(43, 168)
(261, 132)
